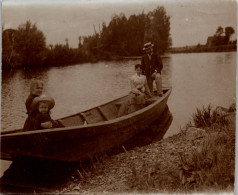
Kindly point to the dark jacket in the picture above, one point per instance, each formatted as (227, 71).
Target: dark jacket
(29, 102)
(41, 118)
(150, 65)
(28, 125)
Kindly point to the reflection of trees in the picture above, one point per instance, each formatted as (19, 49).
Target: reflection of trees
(9, 55)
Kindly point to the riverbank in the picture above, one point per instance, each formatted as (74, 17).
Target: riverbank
(201, 158)
(204, 49)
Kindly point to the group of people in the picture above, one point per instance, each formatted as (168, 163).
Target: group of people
(141, 83)
(38, 105)
(38, 108)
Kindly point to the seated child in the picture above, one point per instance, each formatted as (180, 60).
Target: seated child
(42, 105)
(139, 93)
(139, 86)
(36, 88)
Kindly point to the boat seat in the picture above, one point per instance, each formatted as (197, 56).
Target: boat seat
(72, 121)
(109, 111)
(93, 116)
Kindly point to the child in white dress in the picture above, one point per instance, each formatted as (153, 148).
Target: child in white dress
(139, 87)
(138, 95)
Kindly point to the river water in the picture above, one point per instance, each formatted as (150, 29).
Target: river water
(197, 79)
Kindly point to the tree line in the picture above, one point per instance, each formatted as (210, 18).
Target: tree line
(26, 46)
(221, 36)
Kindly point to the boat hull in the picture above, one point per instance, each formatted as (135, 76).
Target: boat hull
(72, 144)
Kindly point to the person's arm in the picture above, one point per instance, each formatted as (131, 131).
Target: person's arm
(48, 123)
(28, 104)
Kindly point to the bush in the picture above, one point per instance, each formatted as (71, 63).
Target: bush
(206, 117)
(211, 165)
(206, 164)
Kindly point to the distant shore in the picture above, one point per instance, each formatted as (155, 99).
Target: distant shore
(203, 48)
(139, 57)
(107, 56)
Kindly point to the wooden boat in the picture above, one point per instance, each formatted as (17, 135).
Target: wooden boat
(84, 134)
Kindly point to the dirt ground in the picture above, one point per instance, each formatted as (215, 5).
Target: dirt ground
(123, 173)
(141, 170)
(154, 168)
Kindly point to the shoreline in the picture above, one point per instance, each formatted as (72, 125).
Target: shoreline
(162, 166)
(94, 59)
(200, 158)
(204, 49)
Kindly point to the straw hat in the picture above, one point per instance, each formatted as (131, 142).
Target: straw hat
(148, 46)
(43, 98)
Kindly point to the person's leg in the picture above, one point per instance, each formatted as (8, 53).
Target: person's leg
(140, 99)
(124, 107)
(158, 82)
(150, 84)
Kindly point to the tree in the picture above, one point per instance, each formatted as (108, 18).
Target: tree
(219, 31)
(30, 45)
(117, 33)
(158, 28)
(126, 36)
(135, 34)
(228, 32)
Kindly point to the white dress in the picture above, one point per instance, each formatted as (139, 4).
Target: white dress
(138, 84)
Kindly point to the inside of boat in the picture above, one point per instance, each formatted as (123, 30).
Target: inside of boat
(98, 114)
(101, 113)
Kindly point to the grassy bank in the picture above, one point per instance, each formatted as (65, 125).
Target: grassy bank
(201, 158)
(204, 48)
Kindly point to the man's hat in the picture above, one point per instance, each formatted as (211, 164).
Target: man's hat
(42, 98)
(148, 46)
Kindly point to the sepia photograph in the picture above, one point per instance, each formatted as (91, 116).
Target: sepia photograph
(118, 97)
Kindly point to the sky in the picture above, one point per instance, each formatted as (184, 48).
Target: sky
(191, 21)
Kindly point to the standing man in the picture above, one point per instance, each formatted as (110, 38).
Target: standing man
(151, 68)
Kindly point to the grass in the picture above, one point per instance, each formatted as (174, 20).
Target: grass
(206, 117)
(176, 165)
(211, 165)
(208, 167)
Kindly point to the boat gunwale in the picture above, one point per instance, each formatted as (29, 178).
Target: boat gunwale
(78, 127)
